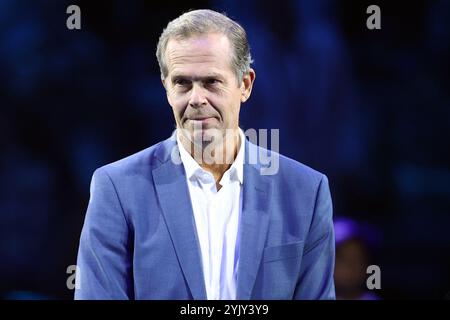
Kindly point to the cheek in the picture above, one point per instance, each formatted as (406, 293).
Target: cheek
(228, 103)
(235, 106)
(178, 105)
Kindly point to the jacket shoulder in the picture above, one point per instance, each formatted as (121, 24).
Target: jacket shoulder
(296, 169)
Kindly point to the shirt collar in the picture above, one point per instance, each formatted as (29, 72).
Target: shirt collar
(193, 169)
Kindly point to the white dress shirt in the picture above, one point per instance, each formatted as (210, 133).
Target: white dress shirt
(216, 215)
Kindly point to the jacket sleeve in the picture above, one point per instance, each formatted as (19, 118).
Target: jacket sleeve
(104, 263)
(317, 268)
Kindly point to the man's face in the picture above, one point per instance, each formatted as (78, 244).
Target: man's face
(201, 86)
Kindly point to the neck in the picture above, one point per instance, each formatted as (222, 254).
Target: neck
(217, 157)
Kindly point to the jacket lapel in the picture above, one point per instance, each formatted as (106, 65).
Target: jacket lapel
(253, 225)
(173, 195)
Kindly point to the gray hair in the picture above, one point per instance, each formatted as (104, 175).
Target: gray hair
(199, 22)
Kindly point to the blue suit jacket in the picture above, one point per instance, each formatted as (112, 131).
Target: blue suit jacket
(139, 238)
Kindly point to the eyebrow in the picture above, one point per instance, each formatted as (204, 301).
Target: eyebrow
(209, 76)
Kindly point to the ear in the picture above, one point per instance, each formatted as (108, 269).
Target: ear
(164, 83)
(247, 85)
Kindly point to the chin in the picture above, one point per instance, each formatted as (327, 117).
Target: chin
(206, 136)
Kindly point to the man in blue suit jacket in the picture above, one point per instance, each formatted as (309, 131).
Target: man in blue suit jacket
(142, 237)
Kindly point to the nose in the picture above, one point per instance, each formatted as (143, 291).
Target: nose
(198, 97)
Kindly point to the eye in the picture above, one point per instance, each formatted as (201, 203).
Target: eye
(181, 82)
(212, 81)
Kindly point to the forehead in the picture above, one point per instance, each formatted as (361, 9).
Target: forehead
(209, 52)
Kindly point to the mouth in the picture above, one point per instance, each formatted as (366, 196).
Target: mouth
(202, 119)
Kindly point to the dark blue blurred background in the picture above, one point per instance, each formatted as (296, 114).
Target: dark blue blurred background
(368, 108)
